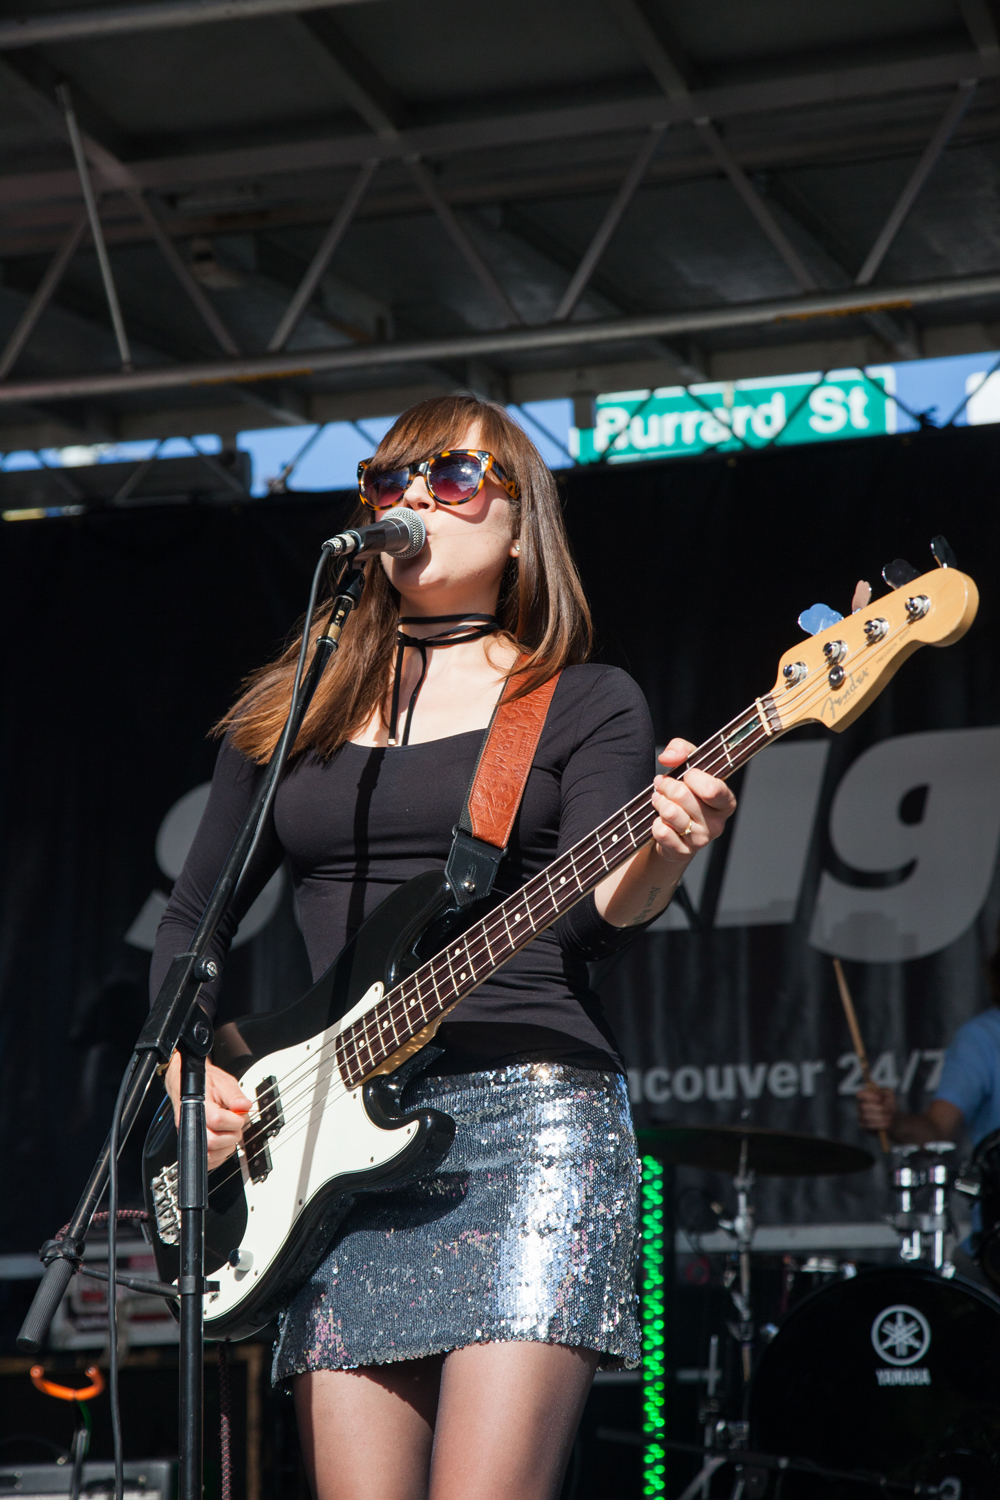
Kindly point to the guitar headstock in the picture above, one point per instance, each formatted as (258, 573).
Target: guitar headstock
(832, 677)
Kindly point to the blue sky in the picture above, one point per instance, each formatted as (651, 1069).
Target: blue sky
(938, 386)
(332, 453)
(107, 453)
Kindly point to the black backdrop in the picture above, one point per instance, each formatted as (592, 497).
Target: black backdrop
(126, 634)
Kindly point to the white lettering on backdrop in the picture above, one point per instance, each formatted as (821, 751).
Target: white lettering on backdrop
(920, 1069)
(915, 821)
(923, 812)
(174, 839)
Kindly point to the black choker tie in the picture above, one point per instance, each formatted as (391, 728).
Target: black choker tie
(461, 630)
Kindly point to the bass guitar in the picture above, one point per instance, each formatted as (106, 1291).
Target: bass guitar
(325, 1074)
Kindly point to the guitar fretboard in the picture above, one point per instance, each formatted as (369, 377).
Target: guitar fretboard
(471, 958)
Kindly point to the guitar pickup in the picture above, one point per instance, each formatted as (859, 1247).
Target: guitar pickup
(269, 1121)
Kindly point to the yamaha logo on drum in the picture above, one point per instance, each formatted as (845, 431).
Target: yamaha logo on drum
(901, 1335)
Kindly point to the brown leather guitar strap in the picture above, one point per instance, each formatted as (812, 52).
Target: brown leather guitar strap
(496, 789)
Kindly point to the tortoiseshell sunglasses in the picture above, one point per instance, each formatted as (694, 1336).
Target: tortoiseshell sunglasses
(452, 477)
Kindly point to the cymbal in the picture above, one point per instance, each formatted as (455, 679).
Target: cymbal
(770, 1153)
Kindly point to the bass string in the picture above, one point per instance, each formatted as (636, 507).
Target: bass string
(293, 1125)
(748, 716)
(476, 945)
(714, 757)
(302, 1070)
(539, 891)
(475, 949)
(323, 1058)
(296, 1124)
(706, 757)
(480, 943)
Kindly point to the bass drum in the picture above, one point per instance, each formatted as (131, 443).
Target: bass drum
(896, 1373)
(985, 1166)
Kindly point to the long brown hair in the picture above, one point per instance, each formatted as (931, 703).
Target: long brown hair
(541, 607)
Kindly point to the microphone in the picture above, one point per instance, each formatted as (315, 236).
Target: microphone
(400, 532)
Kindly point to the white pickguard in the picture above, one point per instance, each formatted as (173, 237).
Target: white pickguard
(327, 1133)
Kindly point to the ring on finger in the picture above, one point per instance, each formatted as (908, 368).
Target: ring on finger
(688, 830)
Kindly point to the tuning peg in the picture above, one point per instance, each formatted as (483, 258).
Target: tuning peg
(899, 573)
(862, 596)
(943, 555)
(819, 617)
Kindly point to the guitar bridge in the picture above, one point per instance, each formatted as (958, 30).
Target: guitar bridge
(270, 1119)
(166, 1206)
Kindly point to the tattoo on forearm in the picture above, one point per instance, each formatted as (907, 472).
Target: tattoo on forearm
(647, 910)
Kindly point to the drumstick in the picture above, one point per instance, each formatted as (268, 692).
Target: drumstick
(855, 1030)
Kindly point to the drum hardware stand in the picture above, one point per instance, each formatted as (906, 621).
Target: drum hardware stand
(742, 1229)
(753, 1470)
(916, 1229)
(708, 1415)
(978, 1184)
(177, 1021)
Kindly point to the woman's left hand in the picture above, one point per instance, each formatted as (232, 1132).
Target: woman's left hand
(689, 813)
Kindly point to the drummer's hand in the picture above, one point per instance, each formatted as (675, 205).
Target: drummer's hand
(877, 1108)
(226, 1107)
(689, 813)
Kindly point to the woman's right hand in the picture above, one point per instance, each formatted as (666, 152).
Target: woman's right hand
(226, 1108)
(877, 1108)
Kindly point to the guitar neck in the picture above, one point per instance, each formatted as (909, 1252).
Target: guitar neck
(424, 997)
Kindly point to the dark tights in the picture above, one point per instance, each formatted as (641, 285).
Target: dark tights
(488, 1422)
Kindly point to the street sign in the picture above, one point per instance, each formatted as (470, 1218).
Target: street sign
(732, 415)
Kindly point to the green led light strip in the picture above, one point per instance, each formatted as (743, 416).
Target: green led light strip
(652, 1308)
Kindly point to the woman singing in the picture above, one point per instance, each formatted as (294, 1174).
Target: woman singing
(446, 1344)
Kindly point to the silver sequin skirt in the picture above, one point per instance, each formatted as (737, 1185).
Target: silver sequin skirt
(526, 1231)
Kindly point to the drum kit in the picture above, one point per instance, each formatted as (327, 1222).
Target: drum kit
(880, 1378)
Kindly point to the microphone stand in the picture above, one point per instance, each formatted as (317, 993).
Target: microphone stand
(176, 1020)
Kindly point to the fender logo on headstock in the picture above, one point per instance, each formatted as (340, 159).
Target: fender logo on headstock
(836, 701)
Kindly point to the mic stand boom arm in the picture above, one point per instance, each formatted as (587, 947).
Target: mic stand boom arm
(176, 1019)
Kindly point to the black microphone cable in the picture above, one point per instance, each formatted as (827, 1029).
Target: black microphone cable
(116, 1415)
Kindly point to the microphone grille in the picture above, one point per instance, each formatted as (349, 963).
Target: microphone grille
(415, 529)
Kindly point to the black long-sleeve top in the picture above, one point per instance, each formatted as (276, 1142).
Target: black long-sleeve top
(358, 825)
